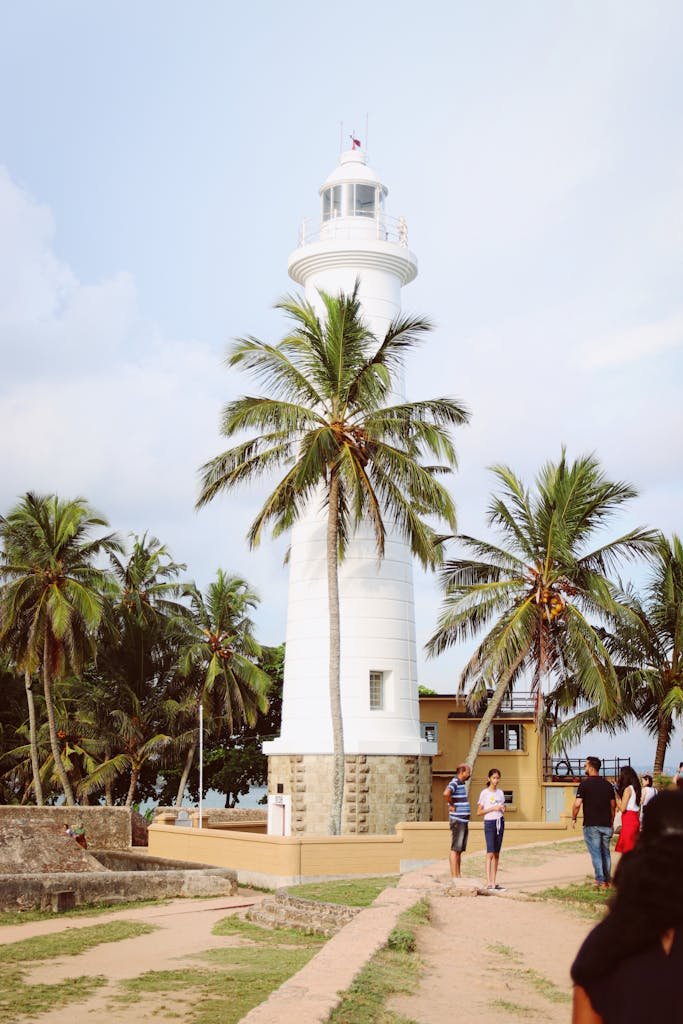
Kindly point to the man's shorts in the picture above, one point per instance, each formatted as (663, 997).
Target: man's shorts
(459, 830)
(493, 833)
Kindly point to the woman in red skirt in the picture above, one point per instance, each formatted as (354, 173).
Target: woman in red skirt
(628, 802)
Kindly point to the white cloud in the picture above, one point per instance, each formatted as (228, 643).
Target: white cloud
(95, 401)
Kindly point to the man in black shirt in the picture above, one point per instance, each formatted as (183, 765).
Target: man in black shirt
(596, 796)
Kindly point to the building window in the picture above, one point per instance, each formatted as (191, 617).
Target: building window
(504, 737)
(509, 796)
(376, 691)
(430, 731)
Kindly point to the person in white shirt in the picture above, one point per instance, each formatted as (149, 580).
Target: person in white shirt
(491, 804)
(647, 793)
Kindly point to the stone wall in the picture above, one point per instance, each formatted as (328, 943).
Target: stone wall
(219, 814)
(43, 892)
(379, 791)
(284, 911)
(107, 828)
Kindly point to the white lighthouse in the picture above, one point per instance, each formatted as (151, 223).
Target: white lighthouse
(388, 766)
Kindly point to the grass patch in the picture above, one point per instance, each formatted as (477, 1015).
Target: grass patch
(264, 936)
(542, 985)
(239, 979)
(474, 865)
(516, 1009)
(545, 987)
(70, 942)
(394, 970)
(507, 951)
(359, 892)
(18, 1000)
(584, 893)
(85, 910)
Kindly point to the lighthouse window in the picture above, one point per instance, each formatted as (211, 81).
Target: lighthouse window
(376, 691)
(364, 205)
(332, 202)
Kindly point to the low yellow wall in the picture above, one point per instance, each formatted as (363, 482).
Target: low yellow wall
(350, 855)
(251, 855)
(274, 861)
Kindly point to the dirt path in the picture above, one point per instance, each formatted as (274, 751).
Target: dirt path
(502, 958)
(487, 959)
(184, 929)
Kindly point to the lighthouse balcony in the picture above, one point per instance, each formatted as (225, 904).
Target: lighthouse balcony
(358, 228)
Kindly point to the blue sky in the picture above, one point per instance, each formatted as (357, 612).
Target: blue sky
(157, 159)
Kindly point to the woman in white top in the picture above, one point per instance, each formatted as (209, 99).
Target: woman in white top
(628, 802)
(648, 791)
(491, 804)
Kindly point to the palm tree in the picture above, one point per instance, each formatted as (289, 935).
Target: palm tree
(538, 597)
(138, 651)
(219, 656)
(139, 741)
(326, 420)
(51, 598)
(645, 640)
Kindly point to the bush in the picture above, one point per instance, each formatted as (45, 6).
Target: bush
(401, 940)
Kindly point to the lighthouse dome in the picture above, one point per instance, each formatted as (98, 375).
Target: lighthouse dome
(353, 166)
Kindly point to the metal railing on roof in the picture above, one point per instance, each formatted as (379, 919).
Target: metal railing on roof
(571, 769)
(512, 704)
(356, 228)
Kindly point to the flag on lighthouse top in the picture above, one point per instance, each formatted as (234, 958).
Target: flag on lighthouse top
(355, 143)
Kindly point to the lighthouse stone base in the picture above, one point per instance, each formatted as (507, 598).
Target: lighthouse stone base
(380, 790)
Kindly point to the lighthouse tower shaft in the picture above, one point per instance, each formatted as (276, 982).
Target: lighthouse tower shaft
(388, 764)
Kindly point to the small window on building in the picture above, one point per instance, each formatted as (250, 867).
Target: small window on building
(430, 731)
(509, 796)
(376, 691)
(504, 737)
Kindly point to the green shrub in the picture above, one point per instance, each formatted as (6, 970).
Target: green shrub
(401, 940)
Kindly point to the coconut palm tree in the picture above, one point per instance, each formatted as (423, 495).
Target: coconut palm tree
(51, 596)
(136, 665)
(326, 420)
(219, 653)
(540, 597)
(645, 641)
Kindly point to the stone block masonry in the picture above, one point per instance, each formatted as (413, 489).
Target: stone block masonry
(285, 911)
(38, 833)
(379, 791)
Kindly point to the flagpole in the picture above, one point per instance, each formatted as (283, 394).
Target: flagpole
(201, 759)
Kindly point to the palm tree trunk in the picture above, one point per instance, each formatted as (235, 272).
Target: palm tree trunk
(54, 742)
(33, 739)
(108, 788)
(663, 737)
(134, 776)
(186, 774)
(491, 710)
(335, 656)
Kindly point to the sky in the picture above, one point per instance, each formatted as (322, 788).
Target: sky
(156, 160)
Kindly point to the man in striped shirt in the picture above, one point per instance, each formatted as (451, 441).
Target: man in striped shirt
(458, 815)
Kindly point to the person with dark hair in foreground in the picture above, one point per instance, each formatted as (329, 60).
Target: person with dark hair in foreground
(630, 968)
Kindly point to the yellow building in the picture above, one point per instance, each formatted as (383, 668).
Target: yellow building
(538, 786)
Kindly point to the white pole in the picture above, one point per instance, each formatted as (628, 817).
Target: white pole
(201, 759)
